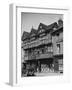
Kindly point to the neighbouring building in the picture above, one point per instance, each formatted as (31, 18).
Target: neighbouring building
(57, 39)
(43, 48)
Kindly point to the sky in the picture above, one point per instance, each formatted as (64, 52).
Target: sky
(29, 20)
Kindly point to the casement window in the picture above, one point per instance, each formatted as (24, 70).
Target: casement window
(46, 49)
(25, 41)
(40, 27)
(41, 30)
(42, 34)
(58, 34)
(60, 61)
(33, 38)
(50, 49)
(61, 37)
(58, 48)
(43, 50)
(26, 53)
(54, 28)
(38, 52)
(32, 35)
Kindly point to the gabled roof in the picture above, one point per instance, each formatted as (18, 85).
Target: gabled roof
(33, 32)
(25, 35)
(51, 26)
(43, 26)
(47, 27)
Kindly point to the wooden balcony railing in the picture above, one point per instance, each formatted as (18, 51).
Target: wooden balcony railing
(36, 43)
(43, 56)
(38, 56)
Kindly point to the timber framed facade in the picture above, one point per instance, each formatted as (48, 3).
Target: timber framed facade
(43, 49)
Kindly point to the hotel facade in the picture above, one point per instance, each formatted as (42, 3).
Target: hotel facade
(42, 49)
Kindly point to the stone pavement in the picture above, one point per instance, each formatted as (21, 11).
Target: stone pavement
(47, 74)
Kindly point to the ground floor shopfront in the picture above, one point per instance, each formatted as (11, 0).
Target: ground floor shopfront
(48, 65)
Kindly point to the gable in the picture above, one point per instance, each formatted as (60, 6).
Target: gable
(33, 32)
(25, 35)
(41, 28)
